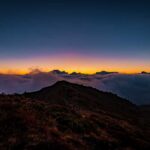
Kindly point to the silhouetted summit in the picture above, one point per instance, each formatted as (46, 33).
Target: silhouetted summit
(68, 116)
(58, 72)
(88, 98)
(105, 72)
(144, 72)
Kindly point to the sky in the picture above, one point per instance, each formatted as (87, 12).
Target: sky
(75, 35)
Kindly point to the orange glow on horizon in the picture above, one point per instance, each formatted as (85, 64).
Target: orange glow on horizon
(74, 63)
(81, 70)
(84, 71)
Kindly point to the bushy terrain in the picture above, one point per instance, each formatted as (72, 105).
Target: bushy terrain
(68, 116)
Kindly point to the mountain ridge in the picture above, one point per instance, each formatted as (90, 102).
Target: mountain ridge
(75, 92)
(68, 116)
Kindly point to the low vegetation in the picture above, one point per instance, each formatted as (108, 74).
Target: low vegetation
(35, 124)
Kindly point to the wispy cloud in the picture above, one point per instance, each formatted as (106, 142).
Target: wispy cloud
(133, 87)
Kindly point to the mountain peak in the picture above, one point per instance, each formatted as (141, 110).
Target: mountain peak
(87, 98)
(105, 72)
(62, 82)
(76, 114)
(58, 72)
(59, 84)
(144, 72)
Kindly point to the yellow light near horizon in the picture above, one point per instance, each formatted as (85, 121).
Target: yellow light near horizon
(80, 70)
(74, 63)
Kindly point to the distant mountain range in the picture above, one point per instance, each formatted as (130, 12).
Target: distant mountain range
(77, 73)
(144, 72)
(67, 116)
(103, 72)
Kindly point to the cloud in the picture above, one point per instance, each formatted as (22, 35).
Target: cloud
(135, 88)
(24, 83)
(132, 87)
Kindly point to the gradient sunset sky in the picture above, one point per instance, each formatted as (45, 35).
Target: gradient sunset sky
(75, 35)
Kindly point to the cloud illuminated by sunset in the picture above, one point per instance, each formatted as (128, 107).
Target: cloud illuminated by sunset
(71, 62)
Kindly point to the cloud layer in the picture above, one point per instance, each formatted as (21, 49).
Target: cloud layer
(135, 88)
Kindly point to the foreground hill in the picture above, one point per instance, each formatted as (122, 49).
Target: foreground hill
(85, 98)
(68, 116)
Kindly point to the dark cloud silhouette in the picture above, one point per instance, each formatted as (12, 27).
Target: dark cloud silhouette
(135, 88)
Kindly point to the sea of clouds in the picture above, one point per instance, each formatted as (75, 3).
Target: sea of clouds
(135, 87)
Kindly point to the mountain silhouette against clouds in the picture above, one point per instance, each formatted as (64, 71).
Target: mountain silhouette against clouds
(134, 87)
(67, 116)
(105, 72)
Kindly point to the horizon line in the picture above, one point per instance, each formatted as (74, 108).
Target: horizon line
(36, 70)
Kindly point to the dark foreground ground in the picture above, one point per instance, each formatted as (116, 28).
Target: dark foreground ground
(68, 116)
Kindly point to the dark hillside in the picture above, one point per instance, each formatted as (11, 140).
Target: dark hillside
(68, 116)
